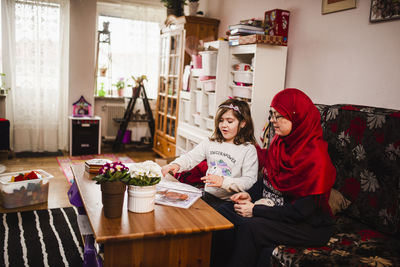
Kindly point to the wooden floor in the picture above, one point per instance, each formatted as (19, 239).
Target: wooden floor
(59, 186)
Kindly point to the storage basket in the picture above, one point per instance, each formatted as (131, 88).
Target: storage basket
(196, 119)
(241, 91)
(209, 123)
(24, 193)
(186, 110)
(209, 85)
(211, 104)
(209, 62)
(243, 77)
(199, 100)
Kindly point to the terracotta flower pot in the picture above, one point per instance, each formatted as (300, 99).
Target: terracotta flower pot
(120, 92)
(113, 194)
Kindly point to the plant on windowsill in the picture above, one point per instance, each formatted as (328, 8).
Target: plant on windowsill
(120, 86)
(113, 178)
(3, 89)
(142, 186)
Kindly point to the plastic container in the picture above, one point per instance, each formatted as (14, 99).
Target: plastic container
(241, 91)
(209, 123)
(196, 119)
(209, 62)
(209, 85)
(199, 100)
(196, 60)
(211, 104)
(186, 110)
(243, 76)
(24, 193)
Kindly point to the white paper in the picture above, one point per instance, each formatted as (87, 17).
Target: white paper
(169, 185)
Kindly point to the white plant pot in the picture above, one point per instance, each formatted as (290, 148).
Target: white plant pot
(141, 199)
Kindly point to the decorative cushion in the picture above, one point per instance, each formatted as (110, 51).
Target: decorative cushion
(338, 202)
(354, 244)
(364, 145)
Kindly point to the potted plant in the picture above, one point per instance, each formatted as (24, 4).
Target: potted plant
(112, 178)
(174, 7)
(142, 186)
(3, 88)
(120, 86)
(193, 7)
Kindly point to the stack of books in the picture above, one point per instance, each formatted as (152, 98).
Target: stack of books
(94, 165)
(237, 30)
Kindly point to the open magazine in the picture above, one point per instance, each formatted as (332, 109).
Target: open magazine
(171, 192)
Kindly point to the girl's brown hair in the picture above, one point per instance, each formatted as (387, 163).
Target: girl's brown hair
(241, 111)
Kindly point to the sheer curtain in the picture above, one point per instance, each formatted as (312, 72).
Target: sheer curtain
(36, 61)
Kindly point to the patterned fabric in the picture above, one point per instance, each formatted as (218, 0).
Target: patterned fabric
(354, 245)
(364, 145)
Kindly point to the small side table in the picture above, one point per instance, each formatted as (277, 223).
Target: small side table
(84, 135)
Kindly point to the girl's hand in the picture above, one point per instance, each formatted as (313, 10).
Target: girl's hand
(239, 197)
(213, 180)
(174, 168)
(244, 208)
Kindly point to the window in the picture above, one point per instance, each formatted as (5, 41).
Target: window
(134, 51)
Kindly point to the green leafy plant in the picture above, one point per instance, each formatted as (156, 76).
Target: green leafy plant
(113, 172)
(145, 174)
(3, 88)
(120, 84)
(172, 3)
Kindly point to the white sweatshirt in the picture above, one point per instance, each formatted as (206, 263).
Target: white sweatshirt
(237, 164)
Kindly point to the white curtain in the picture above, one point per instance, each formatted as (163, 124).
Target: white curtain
(36, 62)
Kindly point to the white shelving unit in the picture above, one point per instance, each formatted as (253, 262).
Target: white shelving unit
(198, 107)
(269, 69)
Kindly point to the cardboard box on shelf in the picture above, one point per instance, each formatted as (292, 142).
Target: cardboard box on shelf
(276, 23)
(264, 39)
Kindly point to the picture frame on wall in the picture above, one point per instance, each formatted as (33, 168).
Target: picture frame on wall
(383, 10)
(330, 6)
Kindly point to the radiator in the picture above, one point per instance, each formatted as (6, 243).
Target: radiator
(112, 127)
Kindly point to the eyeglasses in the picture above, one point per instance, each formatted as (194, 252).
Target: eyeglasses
(274, 117)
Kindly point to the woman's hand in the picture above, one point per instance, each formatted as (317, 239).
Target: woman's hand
(244, 208)
(238, 197)
(213, 180)
(174, 168)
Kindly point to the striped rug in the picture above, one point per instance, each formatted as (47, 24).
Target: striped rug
(40, 238)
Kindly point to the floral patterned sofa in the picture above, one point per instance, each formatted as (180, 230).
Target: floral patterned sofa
(364, 145)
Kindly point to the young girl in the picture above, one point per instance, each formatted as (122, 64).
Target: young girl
(230, 152)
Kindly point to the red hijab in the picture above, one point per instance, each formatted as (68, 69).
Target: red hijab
(298, 164)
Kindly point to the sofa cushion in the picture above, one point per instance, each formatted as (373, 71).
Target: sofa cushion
(354, 244)
(364, 145)
(337, 202)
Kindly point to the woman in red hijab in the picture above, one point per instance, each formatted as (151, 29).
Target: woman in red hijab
(289, 206)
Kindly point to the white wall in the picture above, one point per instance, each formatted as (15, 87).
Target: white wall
(335, 58)
(82, 51)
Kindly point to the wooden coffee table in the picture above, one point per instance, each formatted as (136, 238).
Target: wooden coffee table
(167, 236)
